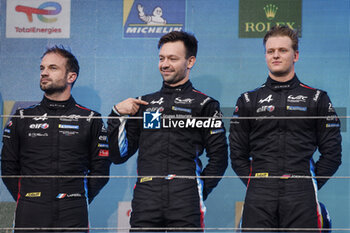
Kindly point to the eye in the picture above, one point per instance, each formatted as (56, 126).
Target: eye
(269, 51)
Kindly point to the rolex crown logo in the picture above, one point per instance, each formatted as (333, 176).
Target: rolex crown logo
(270, 11)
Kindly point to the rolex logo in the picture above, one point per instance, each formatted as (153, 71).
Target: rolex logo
(270, 11)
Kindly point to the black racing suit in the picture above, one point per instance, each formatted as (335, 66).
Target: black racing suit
(284, 147)
(63, 146)
(172, 148)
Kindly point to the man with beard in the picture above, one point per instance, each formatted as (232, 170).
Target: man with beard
(170, 142)
(57, 137)
(283, 148)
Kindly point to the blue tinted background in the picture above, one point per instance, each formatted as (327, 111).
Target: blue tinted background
(114, 68)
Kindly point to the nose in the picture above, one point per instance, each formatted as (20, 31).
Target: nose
(276, 54)
(164, 63)
(43, 72)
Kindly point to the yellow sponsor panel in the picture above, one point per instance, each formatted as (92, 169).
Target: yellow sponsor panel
(145, 179)
(34, 194)
(264, 174)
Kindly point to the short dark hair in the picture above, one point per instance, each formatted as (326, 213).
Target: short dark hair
(72, 62)
(189, 40)
(282, 30)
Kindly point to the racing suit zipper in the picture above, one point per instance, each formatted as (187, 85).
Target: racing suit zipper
(282, 135)
(54, 169)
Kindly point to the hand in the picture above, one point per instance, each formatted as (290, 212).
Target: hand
(140, 9)
(129, 106)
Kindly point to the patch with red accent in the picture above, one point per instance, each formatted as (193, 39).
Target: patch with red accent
(198, 92)
(103, 153)
(82, 107)
(303, 85)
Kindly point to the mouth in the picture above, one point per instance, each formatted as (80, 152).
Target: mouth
(166, 72)
(44, 80)
(276, 63)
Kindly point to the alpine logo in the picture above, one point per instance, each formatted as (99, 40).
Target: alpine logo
(42, 118)
(267, 99)
(160, 101)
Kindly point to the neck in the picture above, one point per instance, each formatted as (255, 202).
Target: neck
(62, 96)
(183, 81)
(282, 79)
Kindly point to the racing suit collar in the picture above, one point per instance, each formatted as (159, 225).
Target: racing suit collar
(57, 105)
(275, 85)
(186, 86)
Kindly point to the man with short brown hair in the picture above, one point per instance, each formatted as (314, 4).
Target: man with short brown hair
(170, 142)
(283, 148)
(56, 137)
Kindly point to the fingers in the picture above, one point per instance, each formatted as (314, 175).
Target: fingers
(129, 106)
(138, 101)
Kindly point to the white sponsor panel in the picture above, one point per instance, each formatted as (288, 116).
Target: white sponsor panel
(38, 19)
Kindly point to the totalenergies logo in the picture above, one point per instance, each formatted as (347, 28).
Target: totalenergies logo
(41, 11)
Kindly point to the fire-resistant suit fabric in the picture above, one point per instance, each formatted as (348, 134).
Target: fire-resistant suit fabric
(54, 138)
(170, 141)
(283, 147)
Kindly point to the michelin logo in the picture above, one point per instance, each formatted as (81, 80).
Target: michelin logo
(155, 19)
(152, 19)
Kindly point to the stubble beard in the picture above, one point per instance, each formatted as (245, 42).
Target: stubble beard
(54, 88)
(174, 79)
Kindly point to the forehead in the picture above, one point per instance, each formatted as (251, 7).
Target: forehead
(279, 42)
(176, 48)
(53, 59)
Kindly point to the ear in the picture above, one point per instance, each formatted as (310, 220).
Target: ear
(296, 56)
(72, 76)
(190, 62)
